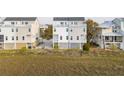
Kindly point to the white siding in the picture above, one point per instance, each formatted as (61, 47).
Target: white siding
(75, 28)
(23, 30)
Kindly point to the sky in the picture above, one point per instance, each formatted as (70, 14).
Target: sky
(48, 20)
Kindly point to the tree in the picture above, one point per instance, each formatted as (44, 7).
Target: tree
(47, 33)
(92, 29)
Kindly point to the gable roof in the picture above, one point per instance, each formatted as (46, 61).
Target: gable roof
(106, 24)
(20, 18)
(68, 19)
(119, 19)
(122, 19)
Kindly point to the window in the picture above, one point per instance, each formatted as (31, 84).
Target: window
(0, 29)
(12, 37)
(61, 23)
(12, 23)
(60, 37)
(36, 38)
(71, 30)
(6, 37)
(26, 23)
(75, 23)
(66, 37)
(65, 23)
(106, 37)
(16, 37)
(71, 38)
(12, 30)
(23, 38)
(118, 39)
(29, 29)
(54, 30)
(114, 30)
(16, 22)
(66, 29)
(77, 37)
(84, 29)
(16, 29)
(22, 22)
(72, 23)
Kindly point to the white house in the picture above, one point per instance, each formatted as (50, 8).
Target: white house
(111, 33)
(18, 32)
(69, 32)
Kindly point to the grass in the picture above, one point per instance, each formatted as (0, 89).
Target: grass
(61, 63)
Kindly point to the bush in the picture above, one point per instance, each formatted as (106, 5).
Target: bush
(113, 47)
(56, 46)
(86, 47)
(23, 50)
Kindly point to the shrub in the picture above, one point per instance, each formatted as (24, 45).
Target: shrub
(113, 47)
(23, 50)
(56, 46)
(86, 47)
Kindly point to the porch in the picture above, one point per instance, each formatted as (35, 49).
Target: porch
(109, 41)
(113, 38)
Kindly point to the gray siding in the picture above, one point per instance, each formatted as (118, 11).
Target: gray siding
(1, 45)
(1, 38)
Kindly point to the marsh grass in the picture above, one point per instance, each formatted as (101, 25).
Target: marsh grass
(61, 63)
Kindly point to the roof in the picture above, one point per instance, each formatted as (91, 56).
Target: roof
(106, 24)
(119, 18)
(122, 19)
(68, 19)
(20, 19)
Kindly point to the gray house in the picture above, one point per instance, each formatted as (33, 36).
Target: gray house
(111, 33)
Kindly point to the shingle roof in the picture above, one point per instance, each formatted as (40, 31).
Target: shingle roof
(68, 19)
(106, 24)
(119, 18)
(20, 19)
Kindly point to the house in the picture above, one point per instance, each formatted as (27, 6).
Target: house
(69, 32)
(111, 33)
(18, 32)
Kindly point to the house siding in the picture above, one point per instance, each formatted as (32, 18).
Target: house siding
(67, 27)
(18, 31)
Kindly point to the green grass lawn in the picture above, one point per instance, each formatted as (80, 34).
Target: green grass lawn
(59, 63)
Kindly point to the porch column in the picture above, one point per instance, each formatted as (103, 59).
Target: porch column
(80, 46)
(113, 38)
(103, 42)
(122, 43)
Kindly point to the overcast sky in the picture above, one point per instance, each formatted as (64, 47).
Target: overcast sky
(48, 20)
